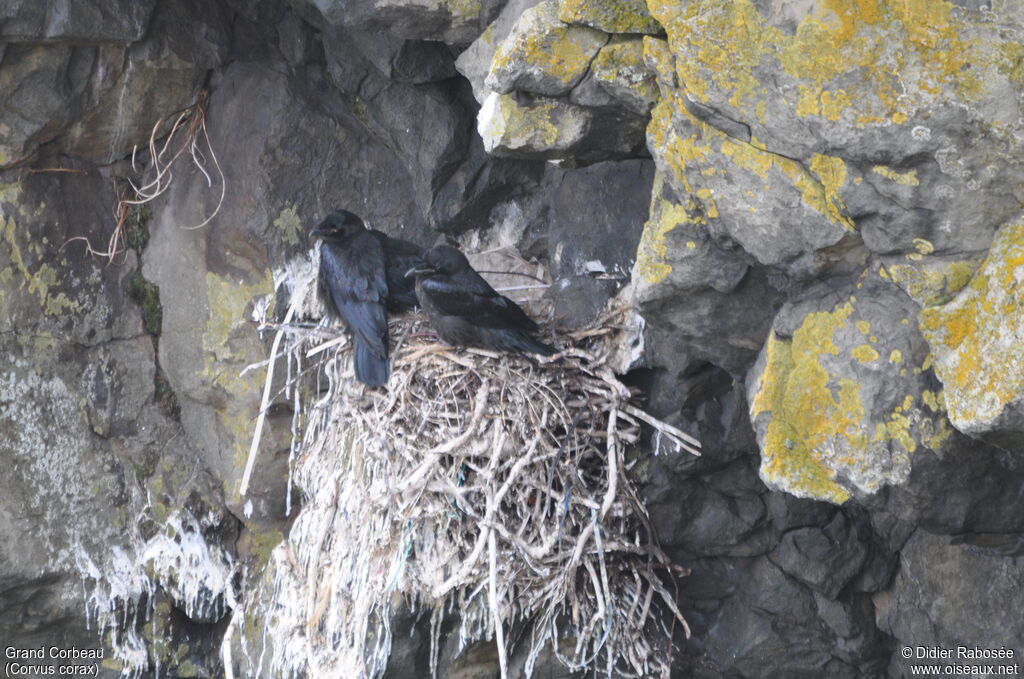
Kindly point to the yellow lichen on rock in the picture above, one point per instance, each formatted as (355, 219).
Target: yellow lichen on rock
(819, 191)
(902, 178)
(40, 282)
(621, 70)
(542, 54)
(977, 339)
(539, 123)
(793, 391)
(865, 353)
(465, 9)
(707, 148)
(289, 225)
(652, 251)
(831, 415)
(871, 62)
(678, 152)
(228, 347)
(831, 175)
(931, 281)
(610, 16)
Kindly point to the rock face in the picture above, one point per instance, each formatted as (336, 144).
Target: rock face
(815, 208)
(841, 403)
(542, 99)
(978, 342)
(936, 581)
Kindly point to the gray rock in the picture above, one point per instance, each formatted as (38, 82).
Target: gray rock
(841, 397)
(825, 558)
(619, 69)
(789, 511)
(542, 55)
(596, 216)
(946, 596)
(405, 61)
(707, 326)
(589, 93)
(531, 127)
(695, 519)
(455, 182)
(677, 253)
(90, 443)
(610, 16)
(456, 22)
(902, 169)
(978, 343)
(769, 205)
(767, 624)
(477, 187)
(970, 488)
(475, 61)
(99, 102)
(31, 75)
(87, 21)
(540, 128)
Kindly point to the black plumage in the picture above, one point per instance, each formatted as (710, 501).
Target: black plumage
(362, 279)
(466, 311)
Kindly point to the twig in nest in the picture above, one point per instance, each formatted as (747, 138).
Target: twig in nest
(440, 489)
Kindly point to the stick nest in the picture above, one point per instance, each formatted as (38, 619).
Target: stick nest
(482, 484)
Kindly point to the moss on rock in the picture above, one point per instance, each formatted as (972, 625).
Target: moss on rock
(147, 296)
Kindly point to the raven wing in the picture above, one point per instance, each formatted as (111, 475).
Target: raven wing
(400, 256)
(475, 301)
(353, 273)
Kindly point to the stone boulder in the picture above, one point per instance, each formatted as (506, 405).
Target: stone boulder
(456, 22)
(558, 91)
(946, 596)
(857, 119)
(528, 127)
(89, 21)
(977, 339)
(842, 397)
(619, 77)
(542, 55)
(701, 299)
(610, 16)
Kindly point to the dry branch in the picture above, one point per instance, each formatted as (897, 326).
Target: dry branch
(488, 485)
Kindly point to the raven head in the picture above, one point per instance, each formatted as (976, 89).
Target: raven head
(441, 259)
(338, 224)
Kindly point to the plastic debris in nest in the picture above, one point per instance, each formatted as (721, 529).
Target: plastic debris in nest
(484, 484)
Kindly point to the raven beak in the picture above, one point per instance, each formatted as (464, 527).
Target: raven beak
(420, 269)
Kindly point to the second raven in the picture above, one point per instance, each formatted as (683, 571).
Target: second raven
(362, 279)
(466, 311)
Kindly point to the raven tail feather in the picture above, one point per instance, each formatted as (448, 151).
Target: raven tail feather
(371, 370)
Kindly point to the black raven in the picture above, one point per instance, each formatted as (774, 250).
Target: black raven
(362, 278)
(466, 311)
